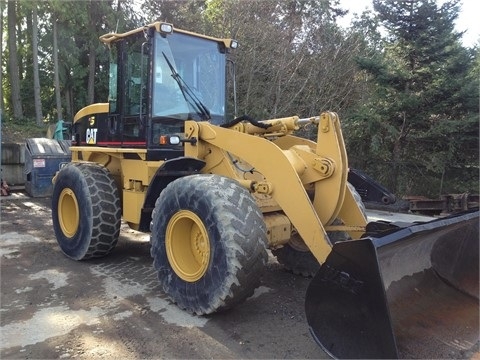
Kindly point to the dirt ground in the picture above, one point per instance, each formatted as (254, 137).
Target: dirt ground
(54, 307)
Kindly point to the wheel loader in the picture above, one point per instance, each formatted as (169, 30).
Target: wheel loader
(216, 193)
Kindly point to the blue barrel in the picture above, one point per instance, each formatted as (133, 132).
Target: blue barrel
(43, 158)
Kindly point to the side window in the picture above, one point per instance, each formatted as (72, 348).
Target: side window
(136, 76)
(113, 79)
(131, 127)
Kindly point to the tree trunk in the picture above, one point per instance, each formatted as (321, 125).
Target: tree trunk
(36, 75)
(13, 61)
(395, 169)
(91, 74)
(1, 62)
(68, 101)
(93, 11)
(56, 69)
(398, 149)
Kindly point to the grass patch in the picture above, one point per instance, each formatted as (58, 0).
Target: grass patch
(18, 131)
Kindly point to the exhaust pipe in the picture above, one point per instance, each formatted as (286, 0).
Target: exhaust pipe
(408, 293)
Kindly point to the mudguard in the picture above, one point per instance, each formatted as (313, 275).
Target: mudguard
(412, 293)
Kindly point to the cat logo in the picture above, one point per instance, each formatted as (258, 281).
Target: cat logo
(91, 136)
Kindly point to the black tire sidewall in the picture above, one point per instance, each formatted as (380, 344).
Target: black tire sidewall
(77, 246)
(180, 289)
(211, 207)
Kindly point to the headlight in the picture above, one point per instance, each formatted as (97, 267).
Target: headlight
(166, 28)
(174, 140)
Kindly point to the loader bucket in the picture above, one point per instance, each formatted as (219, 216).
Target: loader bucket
(412, 293)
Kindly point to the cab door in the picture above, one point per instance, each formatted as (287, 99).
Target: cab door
(129, 92)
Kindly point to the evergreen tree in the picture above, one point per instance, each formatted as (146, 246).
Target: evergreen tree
(13, 65)
(35, 70)
(412, 121)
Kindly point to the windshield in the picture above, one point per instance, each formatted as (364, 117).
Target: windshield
(201, 69)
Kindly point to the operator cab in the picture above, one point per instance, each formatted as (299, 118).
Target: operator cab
(159, 78)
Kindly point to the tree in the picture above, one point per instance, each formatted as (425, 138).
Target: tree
(36, 75)
(189, 13)
(80, 76)
(100, 18)
(14, 71)
(91, 68)
(1, 62)
(56, 69)
(417, 83)
(293, 58)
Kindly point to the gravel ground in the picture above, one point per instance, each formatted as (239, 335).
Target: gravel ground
(54, 307)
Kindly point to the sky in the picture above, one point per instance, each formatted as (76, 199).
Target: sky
(468, 18)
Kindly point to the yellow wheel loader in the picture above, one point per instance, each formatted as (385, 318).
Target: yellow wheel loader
(216, 193)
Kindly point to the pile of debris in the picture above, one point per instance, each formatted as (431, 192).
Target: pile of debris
(4, 189)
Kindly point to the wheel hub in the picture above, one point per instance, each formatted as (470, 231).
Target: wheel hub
(68, 212)
(187, 245)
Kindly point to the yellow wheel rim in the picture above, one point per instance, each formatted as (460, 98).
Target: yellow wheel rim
(68, 212)
(187, 245)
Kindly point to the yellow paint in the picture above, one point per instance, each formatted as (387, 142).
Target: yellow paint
(68, 212)
(94, 109)
(132, 204)
(187, 245)
(288, 168)
(283, 173)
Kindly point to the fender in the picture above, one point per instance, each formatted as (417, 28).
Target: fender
(165, 174)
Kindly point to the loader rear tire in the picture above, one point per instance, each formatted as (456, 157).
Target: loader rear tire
(86, 211)
(358, 199)
(296, 257)
(208, 242)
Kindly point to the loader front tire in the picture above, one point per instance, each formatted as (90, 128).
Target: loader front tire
(86, 211)
(208, 242)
